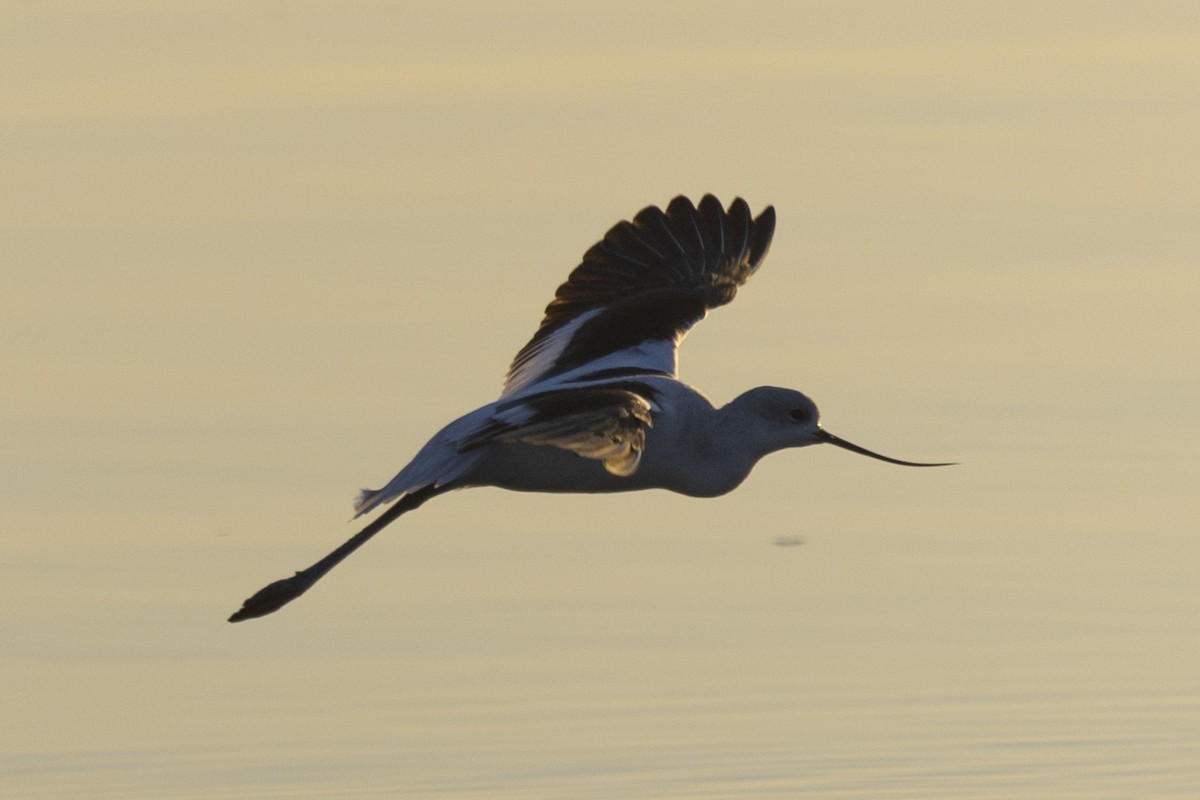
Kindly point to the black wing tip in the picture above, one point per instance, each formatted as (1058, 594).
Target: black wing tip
(693, 238)
(710, 202)
(707, 200)
(761, 229)
(760, 239)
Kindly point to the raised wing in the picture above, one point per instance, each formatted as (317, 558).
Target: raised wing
(630, 302)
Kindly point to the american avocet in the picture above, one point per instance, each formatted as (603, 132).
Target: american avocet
(593, 404)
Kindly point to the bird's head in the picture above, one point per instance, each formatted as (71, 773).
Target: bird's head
(775, 418)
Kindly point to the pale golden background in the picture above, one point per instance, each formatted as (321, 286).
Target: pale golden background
(255, 254)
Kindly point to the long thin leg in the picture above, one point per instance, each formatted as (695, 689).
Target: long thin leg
(275, 596)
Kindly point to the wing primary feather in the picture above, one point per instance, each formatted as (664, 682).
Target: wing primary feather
(760, 243)
(714, 221)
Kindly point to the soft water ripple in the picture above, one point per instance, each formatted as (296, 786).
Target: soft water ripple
(1009, 747)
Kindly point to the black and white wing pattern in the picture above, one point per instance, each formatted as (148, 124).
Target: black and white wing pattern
(605, 423)
(628, 305)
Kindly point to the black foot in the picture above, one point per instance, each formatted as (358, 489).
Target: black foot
(273, 597)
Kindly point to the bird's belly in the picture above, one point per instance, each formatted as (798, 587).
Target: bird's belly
(530, 468)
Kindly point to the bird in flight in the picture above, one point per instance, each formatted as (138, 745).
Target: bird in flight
(593, 403)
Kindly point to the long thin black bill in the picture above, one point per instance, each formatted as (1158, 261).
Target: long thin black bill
(828, 438)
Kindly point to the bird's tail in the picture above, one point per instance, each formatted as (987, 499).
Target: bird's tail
(367, 499)
(438, 464)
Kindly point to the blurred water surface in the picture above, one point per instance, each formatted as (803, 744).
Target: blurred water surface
(255, 255)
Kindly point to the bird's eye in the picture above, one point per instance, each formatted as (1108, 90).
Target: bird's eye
(801, 414)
